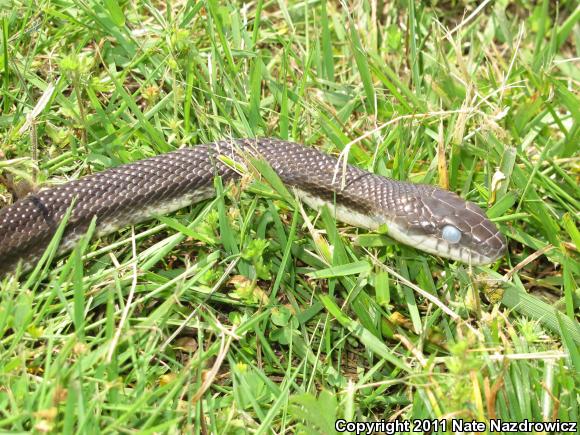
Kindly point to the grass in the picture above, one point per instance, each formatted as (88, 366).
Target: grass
(250, 312)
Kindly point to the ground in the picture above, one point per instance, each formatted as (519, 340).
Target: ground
(249, 312)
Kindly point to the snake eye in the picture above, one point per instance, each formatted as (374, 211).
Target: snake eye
(451, 234)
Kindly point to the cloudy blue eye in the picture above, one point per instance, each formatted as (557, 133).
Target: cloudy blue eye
(451, 234)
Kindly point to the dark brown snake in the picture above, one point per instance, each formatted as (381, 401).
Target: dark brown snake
(426, 217)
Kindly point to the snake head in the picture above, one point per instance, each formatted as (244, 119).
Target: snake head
(445, 224)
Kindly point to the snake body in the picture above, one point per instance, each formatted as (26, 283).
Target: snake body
(426, 217)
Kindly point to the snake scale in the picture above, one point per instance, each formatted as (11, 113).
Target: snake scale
(423, 216)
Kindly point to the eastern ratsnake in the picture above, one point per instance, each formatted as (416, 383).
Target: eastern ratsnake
(423, 216)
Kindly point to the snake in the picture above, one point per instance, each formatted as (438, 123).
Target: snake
(423, 216)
